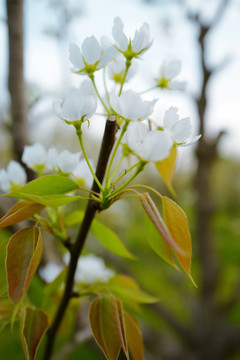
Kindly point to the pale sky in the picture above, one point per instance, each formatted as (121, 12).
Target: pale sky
(48, 66)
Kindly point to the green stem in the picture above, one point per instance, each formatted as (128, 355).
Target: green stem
(105, 86)
(138, 170)
(128, 64)
(150, 89)
(115, 169)
(124, 128)
(79, 134)
(99, 96)
(125, 173)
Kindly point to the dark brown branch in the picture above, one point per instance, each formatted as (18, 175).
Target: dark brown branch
(92, 207)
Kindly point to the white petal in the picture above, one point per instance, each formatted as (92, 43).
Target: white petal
(118, 34)
(135, 134)
(52, 159)
(107, 56)
(4, 181)
(83, 173)
(177, 85)
(91, 50)
(75, 56)
(16, 173)
(72, 105)
(172, 69)
(87, 88)
(35, 154)
(158, 144)
(193, 141)
(141, 39)
(67, 161)
(170, 117)
(182, 130)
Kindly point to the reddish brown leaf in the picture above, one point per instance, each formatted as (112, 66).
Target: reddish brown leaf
(103, 327)
(134, 337)
(177, 224)
(117, 311)
(166, 168)
(24, 253)
(34, 328)
(157, 220)
(20, 211)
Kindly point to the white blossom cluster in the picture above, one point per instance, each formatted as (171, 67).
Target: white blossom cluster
(90, 269)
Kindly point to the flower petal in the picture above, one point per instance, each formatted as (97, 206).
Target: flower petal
(91, 50)
(182, 130)
(75, 56)
(118, 34)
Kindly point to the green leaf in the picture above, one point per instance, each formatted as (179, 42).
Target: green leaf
(128, 290)
(34, 328)
(134, 337)
(157, 242)
(73, 218)
(20, 211)
(110, 240)
(24, 253)
(46, 185)
(117, 310)
(102, 322)
(166, 169)
(177, 224)
(50, 200)
(6, 311)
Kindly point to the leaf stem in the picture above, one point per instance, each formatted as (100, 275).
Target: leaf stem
(97, 92)
(127, 66)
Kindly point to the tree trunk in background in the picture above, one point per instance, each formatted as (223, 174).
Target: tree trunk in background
(15, 76)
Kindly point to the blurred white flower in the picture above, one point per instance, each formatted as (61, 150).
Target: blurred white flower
(77, 104)
(168, 72)
(65, 162)
(116, 69)
(131, 106)
(35, 157)
(133, 47)
(82, 174)
(180, 130)
(12, 178)
(91, 268)
(148, 145)
(50, 271)
(94, 55)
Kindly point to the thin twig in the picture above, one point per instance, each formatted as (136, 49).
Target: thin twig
(92, 207)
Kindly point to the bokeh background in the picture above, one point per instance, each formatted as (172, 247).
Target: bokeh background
(187, 323)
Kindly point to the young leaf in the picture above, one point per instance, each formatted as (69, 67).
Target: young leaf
(157, 242)
(6, 311)
(54, 200)
(166, 169)
(157, 220)
(109, 239)
(24, 253)
(20, 211)
(128, 290)
(34, 328)
(46, 185)
(177, 224)
(73, 218)
(3, 278)
(134, 337)
(104, 328)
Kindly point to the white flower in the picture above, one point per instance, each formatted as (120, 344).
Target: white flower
(82, 174)
(131, 106)
(180, 130)
(50, 271)
(93, 56)
(35, 156)
(65, 162)
(91, 268)
(78, 104)
(148, 145)
(12, 178)
(133, 47)
(168, 72)
(116, 69)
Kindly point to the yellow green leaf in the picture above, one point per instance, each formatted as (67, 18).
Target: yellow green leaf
(134, 337)
(102, 322)
(128, 290)
(24, 253)
(117, 310)
(166, 169)
(34, 327)
(177, 223)
(20, 211)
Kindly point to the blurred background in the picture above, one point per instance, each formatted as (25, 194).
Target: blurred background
(187, 323)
